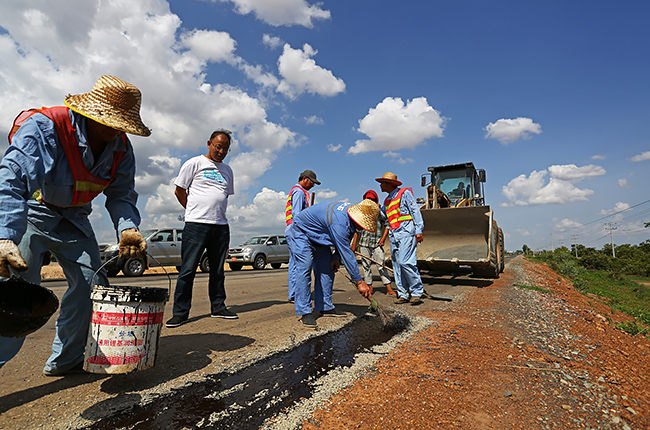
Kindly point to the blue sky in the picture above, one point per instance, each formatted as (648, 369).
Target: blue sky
(550, 98)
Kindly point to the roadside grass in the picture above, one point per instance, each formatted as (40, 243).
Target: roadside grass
(619, 292)
(531, 287)
(638, 279)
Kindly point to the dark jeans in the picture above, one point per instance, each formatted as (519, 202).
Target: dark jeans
(197, 237)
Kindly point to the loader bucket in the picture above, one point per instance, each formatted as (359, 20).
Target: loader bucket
(456, 237)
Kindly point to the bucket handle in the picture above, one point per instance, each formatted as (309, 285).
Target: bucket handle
(169, 289)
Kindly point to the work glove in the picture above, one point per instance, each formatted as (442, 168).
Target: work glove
(10, 256)
(132, 244)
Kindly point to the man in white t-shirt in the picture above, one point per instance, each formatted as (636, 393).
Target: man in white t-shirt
(202, 187)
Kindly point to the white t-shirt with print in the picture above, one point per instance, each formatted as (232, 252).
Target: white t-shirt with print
(208, 186)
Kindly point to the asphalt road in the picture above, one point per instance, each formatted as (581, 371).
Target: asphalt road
(203, 346)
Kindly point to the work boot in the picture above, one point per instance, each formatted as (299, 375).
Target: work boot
(308, 320)
(390, 291)
(333, 313)
(416, 300)
(401, 301)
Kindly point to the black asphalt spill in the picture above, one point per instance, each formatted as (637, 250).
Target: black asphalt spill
(244, 400)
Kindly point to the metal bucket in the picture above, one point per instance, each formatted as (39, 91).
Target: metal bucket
(124, 329)
(24, 307)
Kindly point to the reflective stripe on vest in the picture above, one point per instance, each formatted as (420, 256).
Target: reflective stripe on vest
(392, 210)
(288, 211)
(86, 185)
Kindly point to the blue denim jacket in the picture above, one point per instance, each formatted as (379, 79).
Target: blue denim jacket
(35, 160)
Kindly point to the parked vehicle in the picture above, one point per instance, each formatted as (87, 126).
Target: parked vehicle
(163, 248)
(258, 251)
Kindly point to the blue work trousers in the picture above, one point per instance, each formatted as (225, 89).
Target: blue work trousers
(403, 248)
(198, 237)
(308, 256)
(291, 273)
(79, 258)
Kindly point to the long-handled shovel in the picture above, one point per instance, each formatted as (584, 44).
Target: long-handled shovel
(430, 296)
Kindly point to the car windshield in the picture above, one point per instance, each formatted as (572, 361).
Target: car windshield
(147, 233)
(256, 240)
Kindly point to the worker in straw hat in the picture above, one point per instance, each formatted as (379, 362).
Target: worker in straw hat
(406, 225)
(59, 159)
(314, 232)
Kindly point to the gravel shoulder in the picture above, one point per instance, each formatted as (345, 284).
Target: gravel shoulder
(505, 357)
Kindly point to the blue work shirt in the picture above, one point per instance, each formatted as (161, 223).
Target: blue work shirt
(407, 205)
(36, 160)
(298, 200)
(328, 224)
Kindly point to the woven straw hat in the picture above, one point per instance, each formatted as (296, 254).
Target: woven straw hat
(389, 177)
(365, 214)
(112, 102)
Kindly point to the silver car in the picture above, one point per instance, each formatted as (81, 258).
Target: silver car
(259, 251)
(163, 248)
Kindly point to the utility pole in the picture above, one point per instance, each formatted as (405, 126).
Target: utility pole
(611, 229)
(552, 249)
(575, 243)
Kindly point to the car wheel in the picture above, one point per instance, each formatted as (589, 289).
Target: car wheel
(112, 272)
(234, 266)
(276, 265)
(260, 262)
(204, 264)
(134, 267)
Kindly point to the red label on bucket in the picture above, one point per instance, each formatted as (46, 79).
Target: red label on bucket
(115, 359)
(122, 318)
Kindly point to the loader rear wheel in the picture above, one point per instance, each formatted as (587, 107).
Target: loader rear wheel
(502, 252)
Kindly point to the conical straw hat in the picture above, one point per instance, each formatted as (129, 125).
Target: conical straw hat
(112, 102)
(365, 214)
(389, 177)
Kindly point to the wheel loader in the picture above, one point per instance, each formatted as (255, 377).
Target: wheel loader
(460, 232)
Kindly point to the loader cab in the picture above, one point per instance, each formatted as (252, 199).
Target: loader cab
(460, 183)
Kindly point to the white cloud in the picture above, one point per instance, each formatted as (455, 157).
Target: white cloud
(314, 120)
(617, 211)
(397, 157)
(264, 214)
(641, 157)
(567, 224)
(282, 12)
(301, 74)
(209, 45)
(385, 125)
(43, 58)
(325, 194)
(272, 42)
(622, 182)
(510, 130)
(333, 148)
(571, 172)
(533, 190)
(155, 170)
(598, 157)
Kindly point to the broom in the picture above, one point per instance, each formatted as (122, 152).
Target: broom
(387, 319)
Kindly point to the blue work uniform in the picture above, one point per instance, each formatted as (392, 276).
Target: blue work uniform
(314, 232)
(298, 204)
(403, 246)
(36, 161)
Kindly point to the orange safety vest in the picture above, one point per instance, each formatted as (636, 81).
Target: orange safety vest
(392, 210)
(289, 208)
(86, 185)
